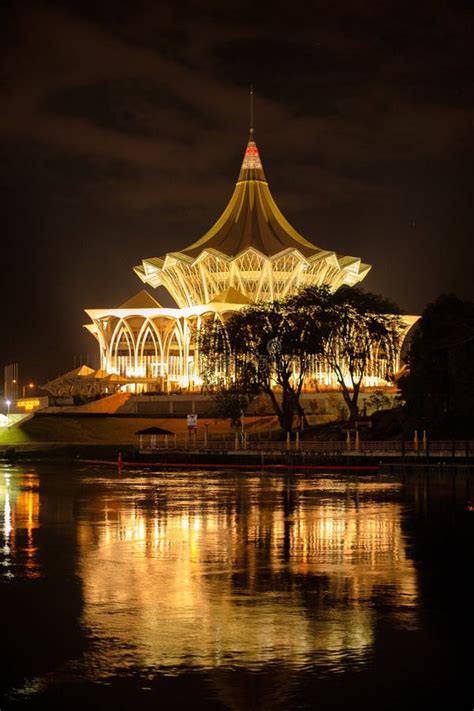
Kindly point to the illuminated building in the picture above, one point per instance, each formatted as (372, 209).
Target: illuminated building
(251, 253)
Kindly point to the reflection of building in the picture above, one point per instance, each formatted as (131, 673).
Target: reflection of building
(251, 253)
(205, 574)
(218, 584)
(21, 507)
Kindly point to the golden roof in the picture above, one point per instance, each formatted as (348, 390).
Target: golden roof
(251, 218)
(252, 247)
(230, 296)
(142, 300)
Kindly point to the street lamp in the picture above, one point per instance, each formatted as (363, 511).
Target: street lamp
(29, 385)
(8, 403)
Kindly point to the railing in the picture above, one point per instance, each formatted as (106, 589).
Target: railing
(432, 448)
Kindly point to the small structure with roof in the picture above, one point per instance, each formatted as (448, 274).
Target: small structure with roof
(86, 382)
(151, 434)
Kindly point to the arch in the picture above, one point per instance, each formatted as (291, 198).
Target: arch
(122, 340)
(174, 354)
(149, 361)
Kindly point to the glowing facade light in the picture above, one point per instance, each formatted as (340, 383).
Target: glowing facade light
(252, 253)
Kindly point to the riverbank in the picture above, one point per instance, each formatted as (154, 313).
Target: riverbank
(103, 438)
(100, 429)
(129, 456)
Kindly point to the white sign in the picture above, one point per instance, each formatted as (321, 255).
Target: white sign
(192, 422)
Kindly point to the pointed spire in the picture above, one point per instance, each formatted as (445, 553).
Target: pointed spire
(251, 168)
(251, 109)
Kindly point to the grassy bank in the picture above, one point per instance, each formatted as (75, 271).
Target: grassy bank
(109, 430)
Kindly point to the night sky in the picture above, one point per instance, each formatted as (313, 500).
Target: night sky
(123, 125)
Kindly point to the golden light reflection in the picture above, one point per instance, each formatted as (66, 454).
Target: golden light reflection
(265, 575)
(19, 499)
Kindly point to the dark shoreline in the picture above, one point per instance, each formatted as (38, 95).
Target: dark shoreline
(129, 455)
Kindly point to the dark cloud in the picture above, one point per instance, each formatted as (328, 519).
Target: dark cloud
(123, 126)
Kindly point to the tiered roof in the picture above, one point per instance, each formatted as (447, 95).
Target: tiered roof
(251, 248)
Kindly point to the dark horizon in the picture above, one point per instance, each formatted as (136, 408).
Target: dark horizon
(123, 130)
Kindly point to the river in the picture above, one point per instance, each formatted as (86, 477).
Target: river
(225, 590)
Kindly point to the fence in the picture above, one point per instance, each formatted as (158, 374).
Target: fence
(431, 448)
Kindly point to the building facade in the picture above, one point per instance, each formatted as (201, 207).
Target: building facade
(251, 253)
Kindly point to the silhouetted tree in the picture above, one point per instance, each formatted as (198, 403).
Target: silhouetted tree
(356, 328)
(230, 403)
(440, 383)
(265, 348)
(270, 347)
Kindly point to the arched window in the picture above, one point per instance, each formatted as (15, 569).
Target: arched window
(149, 353)
(123, 351)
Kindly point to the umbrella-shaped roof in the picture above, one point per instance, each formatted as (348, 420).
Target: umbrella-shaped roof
(154, 431)
(115, 378)
(252, 248)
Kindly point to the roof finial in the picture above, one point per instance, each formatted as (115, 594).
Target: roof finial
(251, 108)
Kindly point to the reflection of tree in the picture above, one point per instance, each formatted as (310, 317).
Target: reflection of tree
(230, 589)
(442, 542)
(251, 692)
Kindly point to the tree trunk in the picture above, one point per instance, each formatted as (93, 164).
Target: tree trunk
(300, 410)
(355, 400)
(353, 411)
(351, 402)
(285, 418)
(288, 410)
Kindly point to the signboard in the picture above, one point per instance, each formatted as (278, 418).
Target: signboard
(31, 403)
(192, 421)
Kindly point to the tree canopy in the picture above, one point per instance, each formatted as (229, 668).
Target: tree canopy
(358, 329)
(264, 348)
(440, 383)
(270, 347)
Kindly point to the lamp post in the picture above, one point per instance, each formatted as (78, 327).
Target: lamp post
(28, 385)
(8, 403)
(12, 390)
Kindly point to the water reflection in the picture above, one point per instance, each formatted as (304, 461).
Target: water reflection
(238, 591)
(20, 503)
(211, 572)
